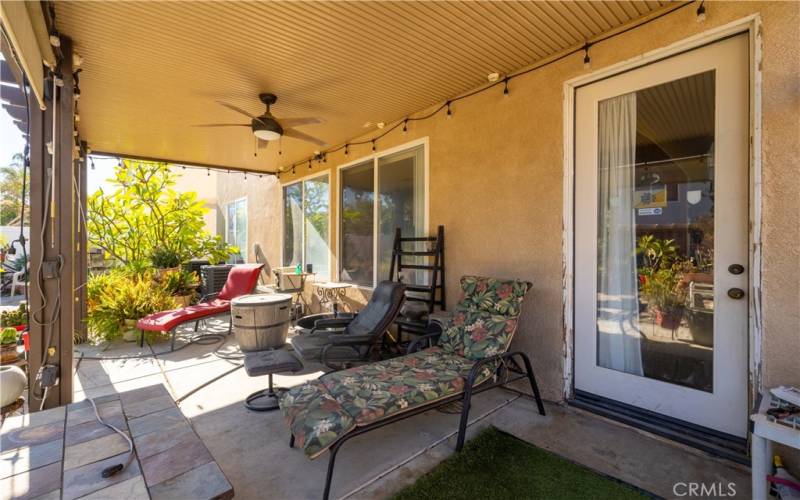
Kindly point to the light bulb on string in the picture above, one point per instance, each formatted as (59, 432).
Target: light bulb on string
(373, 145)
(701, 12)
(449, 111)
(292, 169)
(309, 164)
(587, 61)
(405, 126)
(505, 87)
(208, 172)
(347, 149)
(91, 160)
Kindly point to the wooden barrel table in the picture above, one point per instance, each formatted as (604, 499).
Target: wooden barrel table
(261, 321)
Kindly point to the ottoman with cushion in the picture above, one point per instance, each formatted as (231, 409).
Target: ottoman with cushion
(268, 363)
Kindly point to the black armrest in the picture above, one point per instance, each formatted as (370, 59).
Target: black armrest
(331, 323)
(352, 339)
(417, 343)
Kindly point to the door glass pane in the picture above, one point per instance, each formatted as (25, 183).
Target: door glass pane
(292, 224)
(655, 304)
(241, 229)
(316, 225)
(357, 220)
(400, 184)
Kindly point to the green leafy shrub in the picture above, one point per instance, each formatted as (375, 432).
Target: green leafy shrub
(145, 218)
(164, 258)
(180, 282)
(8, 336)
(122, 294)
(15, 317)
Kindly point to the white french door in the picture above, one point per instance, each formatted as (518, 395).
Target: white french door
(661, 236)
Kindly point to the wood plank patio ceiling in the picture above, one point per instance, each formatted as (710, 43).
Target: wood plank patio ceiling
(153, 69)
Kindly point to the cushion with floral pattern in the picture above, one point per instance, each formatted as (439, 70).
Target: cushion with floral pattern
(377, 390)
(315, 418)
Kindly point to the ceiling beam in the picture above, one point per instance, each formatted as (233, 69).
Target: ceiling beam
(179, 162)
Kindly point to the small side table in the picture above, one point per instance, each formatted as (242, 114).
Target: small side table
(331, 293)
(765, 432)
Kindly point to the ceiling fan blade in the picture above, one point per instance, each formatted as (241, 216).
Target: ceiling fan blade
(262, 144)
(296, 134)
(296, 122)
(222, 125)
(238, 110)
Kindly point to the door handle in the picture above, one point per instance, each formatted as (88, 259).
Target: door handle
(735, 293)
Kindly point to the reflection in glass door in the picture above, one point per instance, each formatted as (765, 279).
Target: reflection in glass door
(656, 196)
(661, 231)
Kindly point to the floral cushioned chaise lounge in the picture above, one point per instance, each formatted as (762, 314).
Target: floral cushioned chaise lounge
(324, 413)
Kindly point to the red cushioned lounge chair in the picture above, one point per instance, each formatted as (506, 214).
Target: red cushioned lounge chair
(241, 281)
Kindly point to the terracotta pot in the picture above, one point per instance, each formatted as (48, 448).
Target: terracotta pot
(669, 320)
(183, 300)
(8, 353)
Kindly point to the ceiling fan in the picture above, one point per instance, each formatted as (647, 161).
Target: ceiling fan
(267, 128)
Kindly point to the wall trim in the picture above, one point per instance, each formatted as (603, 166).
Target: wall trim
(752, 25)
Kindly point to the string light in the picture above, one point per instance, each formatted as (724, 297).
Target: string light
(292, 169)
(91, 160)
(309, 164)
(245, 176)
(208, 172)
(701, 12)
(587, 62)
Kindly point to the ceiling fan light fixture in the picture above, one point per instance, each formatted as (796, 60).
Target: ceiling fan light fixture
(266, 128)
(267, 135)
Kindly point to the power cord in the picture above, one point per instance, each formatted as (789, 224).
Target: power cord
(114, 469)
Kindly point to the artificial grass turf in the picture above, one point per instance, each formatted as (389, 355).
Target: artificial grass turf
(496, 465)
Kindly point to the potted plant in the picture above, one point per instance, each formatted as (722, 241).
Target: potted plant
(181, 284)
(666, 292)
(16, 317)
(165, 261)
(8, 345)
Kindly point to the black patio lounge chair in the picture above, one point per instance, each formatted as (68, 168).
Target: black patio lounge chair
(335, 342)
(469, 357)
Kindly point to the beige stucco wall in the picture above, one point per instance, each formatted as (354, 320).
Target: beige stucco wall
(496, 173)
(204, 183)
(263, 210)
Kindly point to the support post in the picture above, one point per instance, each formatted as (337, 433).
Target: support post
(53, 236)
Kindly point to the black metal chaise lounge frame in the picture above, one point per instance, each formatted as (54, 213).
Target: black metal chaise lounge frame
(507, 361)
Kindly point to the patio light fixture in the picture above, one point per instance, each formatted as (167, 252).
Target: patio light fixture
(587, 62)
(505, 87)
(701, 12)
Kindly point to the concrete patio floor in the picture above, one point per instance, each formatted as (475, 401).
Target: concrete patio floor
(252, 448)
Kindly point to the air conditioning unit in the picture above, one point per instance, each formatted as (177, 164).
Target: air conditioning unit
(213, 278)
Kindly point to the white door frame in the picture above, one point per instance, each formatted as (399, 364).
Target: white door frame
(752, 26)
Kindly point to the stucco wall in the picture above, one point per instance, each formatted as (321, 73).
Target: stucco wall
(496, 173)
(263, 211)
(204, 183)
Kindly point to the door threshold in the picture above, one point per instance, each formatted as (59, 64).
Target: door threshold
(708, 440)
